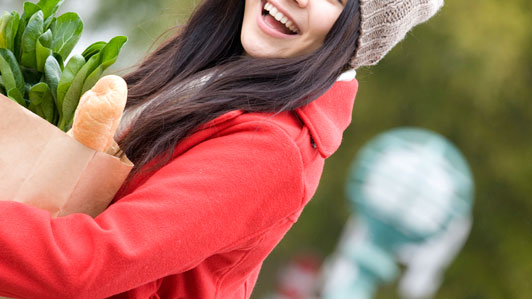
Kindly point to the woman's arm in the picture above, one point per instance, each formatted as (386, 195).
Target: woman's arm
(221, 192)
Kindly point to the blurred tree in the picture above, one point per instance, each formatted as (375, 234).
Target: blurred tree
(467, 74)
(144, 22)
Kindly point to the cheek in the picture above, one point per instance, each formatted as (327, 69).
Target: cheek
(323, 21)
(247, 32)
(249, 44)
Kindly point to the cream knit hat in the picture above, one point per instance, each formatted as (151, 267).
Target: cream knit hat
(384, 23)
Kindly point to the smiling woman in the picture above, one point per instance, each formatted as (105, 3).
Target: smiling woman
(280, 28)
(264, 69)
(229, 124)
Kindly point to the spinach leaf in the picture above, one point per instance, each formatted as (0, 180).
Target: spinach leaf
(2, 88)
(31, 76)
(11, 30)
(4, 19)
(35, 94)
(108, 56)
(87, 76)
(9, 82)
(8, 29)
(38, 94)
(48, 22)
(29, 40)
(43, 49)
(29, 10)
(73, 95)
(59, 60)
(66, 33)
(52, 74)
(12, 76)
(41, 94)
(93, 49)
(15, 94)
(49, 7)
(73, 66)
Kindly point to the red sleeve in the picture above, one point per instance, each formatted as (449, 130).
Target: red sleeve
(211, 198)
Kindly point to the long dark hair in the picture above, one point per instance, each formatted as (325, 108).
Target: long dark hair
(208, 50)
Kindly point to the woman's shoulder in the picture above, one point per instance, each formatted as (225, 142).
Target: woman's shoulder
(238, 121)
(247, 133)
(319, 124)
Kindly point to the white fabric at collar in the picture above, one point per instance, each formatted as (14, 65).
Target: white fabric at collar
(348, 75)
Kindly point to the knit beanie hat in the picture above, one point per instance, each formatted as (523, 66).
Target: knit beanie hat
(384, 23)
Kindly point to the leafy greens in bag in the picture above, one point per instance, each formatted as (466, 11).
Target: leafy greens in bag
(34, 71)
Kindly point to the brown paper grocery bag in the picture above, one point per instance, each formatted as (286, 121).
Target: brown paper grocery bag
(42, 166)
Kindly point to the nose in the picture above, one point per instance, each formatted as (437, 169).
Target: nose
(302, 3)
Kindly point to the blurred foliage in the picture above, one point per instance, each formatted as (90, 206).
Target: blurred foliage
(147, 22)
(466, 74)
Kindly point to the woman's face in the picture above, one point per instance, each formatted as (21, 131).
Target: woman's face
(287, 28)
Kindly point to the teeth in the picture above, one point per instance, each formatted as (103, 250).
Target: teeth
(279, 16)
(291, 26)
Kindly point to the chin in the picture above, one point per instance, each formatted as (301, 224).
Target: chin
(257, 49)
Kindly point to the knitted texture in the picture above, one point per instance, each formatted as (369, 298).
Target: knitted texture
(384, 23)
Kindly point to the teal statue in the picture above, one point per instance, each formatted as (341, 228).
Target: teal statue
(411, 193)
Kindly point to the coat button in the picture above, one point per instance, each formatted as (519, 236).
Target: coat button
(313, 143)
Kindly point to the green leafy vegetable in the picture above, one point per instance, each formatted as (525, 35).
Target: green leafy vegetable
(41, 102)
(73, 66)
(2, 88)
(42, 49)
(71, 100)
(29, 40)
(8, 29)
(4, 19)
(108, 56)
(52, 74)
(12, 76)
(33, 48)
(93, 49)
(67, 32)
(49, 7)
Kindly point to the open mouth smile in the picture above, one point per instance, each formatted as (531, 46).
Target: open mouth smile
(275, 22)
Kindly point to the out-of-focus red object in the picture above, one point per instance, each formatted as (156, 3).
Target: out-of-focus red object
(298, 280)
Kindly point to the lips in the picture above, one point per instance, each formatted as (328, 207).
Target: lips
(275, 22)
(282, 21)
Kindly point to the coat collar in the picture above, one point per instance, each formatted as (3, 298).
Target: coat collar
(328, 116)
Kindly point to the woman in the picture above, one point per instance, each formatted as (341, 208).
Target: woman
(229, 124)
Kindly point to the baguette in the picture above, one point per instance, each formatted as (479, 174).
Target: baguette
(99, 113)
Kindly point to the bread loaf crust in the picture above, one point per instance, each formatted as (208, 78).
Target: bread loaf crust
(99, 113)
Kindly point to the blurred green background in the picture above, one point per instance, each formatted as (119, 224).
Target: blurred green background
(466, 74)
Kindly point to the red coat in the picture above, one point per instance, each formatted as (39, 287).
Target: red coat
(200, 227)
